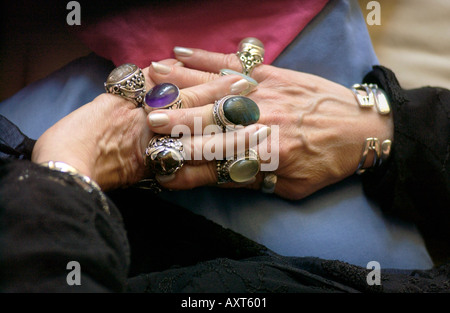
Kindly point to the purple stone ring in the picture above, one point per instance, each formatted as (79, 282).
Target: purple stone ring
(163, 96)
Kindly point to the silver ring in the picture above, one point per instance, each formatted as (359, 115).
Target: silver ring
(239, 169)
(150, 184)
(127, 81)
(251, 54)
(232, 112)
(163, 96)
(269, 182)
(164, 155)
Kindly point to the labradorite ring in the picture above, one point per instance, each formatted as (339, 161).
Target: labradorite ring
(127, 81)
(232, 112)
(164, 155)
(250, 54)
(239, 169)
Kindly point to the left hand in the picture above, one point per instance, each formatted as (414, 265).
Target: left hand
(321, 127)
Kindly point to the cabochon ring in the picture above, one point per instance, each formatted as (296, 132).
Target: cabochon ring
(238, 169)
(163, 96)
(127, 81)
(232, 112)
(164, 155)
(251, 54)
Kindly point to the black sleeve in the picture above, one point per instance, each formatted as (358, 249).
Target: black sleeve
(47, 220)
(414, 184)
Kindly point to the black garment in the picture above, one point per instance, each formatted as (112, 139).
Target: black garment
(415, 183)
(148, 245)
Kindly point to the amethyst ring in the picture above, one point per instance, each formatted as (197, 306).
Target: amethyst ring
(163, 96)
(127, 81)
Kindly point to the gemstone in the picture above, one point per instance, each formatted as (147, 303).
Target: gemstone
(252, 41)
(162, 95)
(241, 110)
(244, 170)
(121, 72)
(166, 161)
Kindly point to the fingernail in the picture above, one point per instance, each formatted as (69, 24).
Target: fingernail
(165, 178)
(261, 134)
(158, 119)
(239, 87)
(184, 52)
(161, 68)
(180, 64)
(252, 84)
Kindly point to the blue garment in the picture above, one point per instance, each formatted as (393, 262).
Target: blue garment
(338, 222)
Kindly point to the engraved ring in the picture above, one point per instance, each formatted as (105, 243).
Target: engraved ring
(127, 81)
(164, 155)
(251, 54)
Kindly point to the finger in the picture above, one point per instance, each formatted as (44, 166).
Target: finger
(190, 176)
(149, 82)
(209, 92)
(212, 62)
(165, 71)
(196, 104)
(217, 146)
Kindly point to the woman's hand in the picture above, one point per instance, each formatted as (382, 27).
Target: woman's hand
(321, 127)
(106, 138)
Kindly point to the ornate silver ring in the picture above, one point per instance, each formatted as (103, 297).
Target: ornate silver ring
(239, 169)
(164, 155)
(127, 81)
(251, 54)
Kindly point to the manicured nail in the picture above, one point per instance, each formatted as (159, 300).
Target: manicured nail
(184, 52)
(158, 119)
(180, 64)
(251, 83)
(239, 87)
(261, 134)
(161, 68)
(165, 178)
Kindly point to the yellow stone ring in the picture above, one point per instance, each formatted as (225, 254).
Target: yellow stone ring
(239, 169)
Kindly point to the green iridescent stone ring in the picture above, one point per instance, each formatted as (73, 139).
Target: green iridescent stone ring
(231, 112)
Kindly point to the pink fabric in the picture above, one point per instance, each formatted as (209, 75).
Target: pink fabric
(145, 34)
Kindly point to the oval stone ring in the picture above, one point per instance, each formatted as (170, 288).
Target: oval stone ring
(239, 169)
(164, 155)
(163, 96)
(127, 81)
(230, 112)
(251, 54)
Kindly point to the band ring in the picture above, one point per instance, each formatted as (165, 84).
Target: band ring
(239, 169)
(164, 155)
(150, 184)
(269, 182)
(251, 54)
(127, 81)
(163, 96)
(232, 112)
